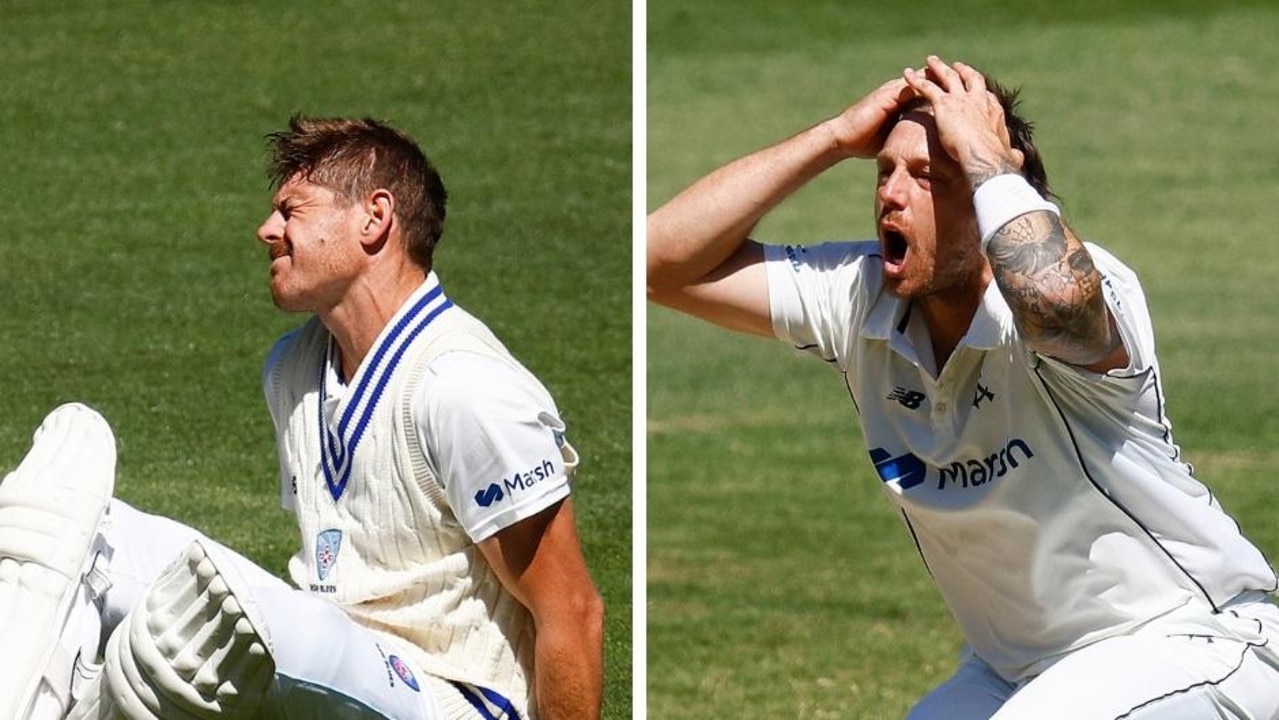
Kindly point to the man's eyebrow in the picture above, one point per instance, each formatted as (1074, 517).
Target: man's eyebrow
(283, 199)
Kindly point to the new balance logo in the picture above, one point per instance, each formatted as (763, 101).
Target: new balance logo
(909, 399)
(489, 495)
(906, 471)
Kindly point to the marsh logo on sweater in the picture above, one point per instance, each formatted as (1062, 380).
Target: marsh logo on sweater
(496, 493)
(489, 495)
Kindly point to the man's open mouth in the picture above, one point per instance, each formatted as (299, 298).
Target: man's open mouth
(894, 245)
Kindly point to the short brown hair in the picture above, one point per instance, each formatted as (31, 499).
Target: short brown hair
(1022, 134)
(354, 157)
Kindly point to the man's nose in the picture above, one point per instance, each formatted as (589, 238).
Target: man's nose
(272, 229)
(892, 190)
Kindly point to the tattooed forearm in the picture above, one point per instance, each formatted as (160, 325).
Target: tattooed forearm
(982, 166)
(1050, 283)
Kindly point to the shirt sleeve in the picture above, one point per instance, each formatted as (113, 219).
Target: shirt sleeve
(494, 438)
(1126, 302)
(818, 295)
(1129, 398)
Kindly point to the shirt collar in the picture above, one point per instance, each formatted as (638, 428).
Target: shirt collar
(336, 382)
(992, 324)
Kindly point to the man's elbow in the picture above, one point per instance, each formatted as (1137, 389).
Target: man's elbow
(661, 294)
(590, 608)
(1080, 334)
(663, 276)
(576, 605)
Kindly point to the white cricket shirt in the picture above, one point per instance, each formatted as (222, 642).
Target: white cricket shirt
(1050, 504)
(441, 439)
(491, 433)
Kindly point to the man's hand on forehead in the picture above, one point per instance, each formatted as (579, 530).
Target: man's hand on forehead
(860, 130)
(970, 120)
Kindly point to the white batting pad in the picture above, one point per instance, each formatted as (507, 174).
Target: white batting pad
(193, 647)
(50, 508)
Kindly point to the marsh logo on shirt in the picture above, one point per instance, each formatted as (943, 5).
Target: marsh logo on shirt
(904, 471)
(489, 495)
(907, 470)
(979, 471)
(529, 478)
(517, 482)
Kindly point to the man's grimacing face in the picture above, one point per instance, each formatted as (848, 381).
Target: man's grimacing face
(312, 237)
(924, 214)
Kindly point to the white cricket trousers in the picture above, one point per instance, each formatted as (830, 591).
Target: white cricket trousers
(1191, 665)
(327, 666)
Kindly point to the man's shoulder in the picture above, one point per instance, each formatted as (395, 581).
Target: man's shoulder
(1108, 263)
(458, 331)
(303, 340)
(846, 269)
(823, 289)
(825, 255)
(300, 340)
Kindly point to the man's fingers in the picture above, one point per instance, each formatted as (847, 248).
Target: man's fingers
(974, 81)
(943, 74)
(953, 78)
(893, 93)
(892, 87)
(922, 86)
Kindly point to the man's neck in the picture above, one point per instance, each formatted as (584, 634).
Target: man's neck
(369, 304)
(948, 319)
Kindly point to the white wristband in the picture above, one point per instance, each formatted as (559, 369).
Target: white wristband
(1003, 198)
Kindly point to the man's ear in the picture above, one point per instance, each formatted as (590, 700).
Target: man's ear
(379, 215)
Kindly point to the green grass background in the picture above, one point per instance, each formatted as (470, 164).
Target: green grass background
(131, 143)
(780, 583)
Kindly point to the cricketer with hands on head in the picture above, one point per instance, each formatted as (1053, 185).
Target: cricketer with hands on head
(440, 574)
(1005, 377)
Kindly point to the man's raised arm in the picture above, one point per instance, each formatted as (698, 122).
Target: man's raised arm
(1044, 272)
(700, 258)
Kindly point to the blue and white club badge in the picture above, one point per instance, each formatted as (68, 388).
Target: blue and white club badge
(327, 545)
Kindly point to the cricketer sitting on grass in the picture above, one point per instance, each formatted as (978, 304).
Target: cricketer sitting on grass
(1005, 377)
(440, 571)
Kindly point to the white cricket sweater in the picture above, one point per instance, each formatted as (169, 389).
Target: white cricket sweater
(381, 537)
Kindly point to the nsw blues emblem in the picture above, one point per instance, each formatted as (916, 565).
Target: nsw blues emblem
(327, 545)
(403, 671)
